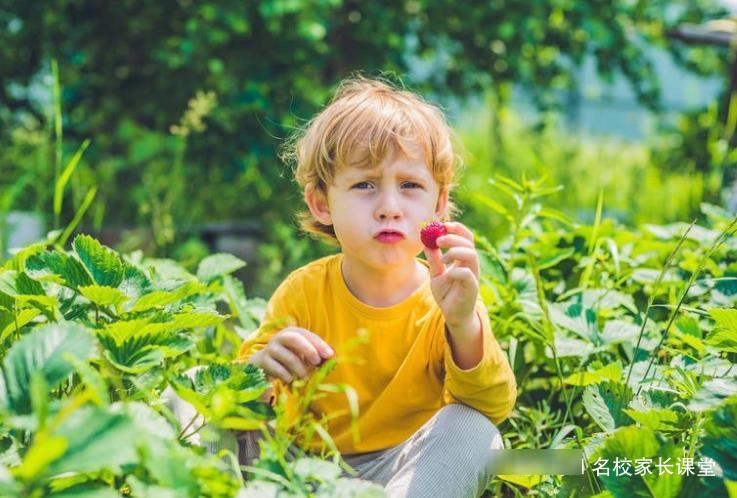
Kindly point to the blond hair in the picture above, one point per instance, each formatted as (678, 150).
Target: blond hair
(364, 121)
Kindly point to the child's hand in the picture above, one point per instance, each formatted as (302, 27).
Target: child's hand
(455, 287)
(292, 352)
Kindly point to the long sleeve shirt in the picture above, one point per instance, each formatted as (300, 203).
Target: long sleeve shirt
(402, 373)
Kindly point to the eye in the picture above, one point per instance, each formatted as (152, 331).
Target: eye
(362, 185)
(411, 185)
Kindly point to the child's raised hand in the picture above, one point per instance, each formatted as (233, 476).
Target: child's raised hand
(455, 286)
(292, 352)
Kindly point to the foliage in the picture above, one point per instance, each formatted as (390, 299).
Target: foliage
(636, 189)
(91, 341)
(622, 342)
(130, 68)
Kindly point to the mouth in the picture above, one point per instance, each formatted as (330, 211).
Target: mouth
(389, 236)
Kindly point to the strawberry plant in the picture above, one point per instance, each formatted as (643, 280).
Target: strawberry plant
(91, 339)
(623, 343)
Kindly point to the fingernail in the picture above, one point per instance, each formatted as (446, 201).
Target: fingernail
(329, 351)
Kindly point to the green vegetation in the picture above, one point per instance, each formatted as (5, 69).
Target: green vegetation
(623, 343)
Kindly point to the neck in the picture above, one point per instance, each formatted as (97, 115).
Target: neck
(382, 288)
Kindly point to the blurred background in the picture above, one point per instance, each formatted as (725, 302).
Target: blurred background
(160, 122)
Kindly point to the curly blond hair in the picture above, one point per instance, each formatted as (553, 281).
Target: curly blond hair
(364, 121)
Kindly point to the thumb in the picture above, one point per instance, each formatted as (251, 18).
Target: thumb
(434, 258)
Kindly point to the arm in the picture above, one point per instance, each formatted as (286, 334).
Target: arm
(489, 386)
(477, 372)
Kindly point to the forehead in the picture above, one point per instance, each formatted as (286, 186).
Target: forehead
(396, 164)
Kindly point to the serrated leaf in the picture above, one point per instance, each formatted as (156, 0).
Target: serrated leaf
(102, 295)
(103, 263)
(724, 335)
(135, 283)
(192, 320)
(17, 321)
(217, 265)
(158, 299)
(576, 318)
(60, 267)
(720, 439)
(134, 359)
(662, 419)
(613, 371)
(635, 443)
(43, 351)
(239, 305)
(14, 284)
(604, 403)
(712, 393)
(18, 261)
(553, 257)
(310, 468)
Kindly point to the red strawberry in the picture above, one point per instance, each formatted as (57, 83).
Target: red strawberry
(430, 233)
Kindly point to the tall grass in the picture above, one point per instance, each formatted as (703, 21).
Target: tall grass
(635, 191)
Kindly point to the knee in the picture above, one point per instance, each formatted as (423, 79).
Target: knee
(471, 427)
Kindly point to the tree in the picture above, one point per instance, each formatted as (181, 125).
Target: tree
(128, 69)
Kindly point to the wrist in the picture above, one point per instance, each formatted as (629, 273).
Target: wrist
(466, 327)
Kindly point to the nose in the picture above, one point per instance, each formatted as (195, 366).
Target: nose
(388, 206)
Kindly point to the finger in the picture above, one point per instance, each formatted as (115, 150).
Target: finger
(452, 240)
(288, 359)
(463, 256)
(276, 370)
(293, 339)
(463, 276)
(318, 342)
(457, 228)
(435, 260)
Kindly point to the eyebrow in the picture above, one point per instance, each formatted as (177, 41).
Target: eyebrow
(375, 173)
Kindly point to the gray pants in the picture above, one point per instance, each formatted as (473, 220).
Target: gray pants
(448, 457)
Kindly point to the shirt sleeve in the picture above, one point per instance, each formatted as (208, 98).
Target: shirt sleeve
(490, 386)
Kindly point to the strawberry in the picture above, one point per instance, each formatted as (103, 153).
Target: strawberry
(430, 233)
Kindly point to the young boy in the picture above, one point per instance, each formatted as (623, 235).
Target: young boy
(375, 165)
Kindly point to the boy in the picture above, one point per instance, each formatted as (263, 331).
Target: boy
(374, 165)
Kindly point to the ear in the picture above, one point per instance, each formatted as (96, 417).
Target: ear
(317, 203)
(441, 208)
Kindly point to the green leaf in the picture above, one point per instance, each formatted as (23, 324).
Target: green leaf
(605, 402)
(720, 439)
(159, 299)
(217, 265)
(712, 393)
(134, 283)
(576, 318)
(87, 491)
(241, 307)
(61, 267)
(102, 262)
(613, 371)
(103, 295)
(554, 257)
(22, 318)
(662, 419)
(310, 468)
(97, 439)
(724, 335)
(42, 452)
(44, 350)
(634, 443)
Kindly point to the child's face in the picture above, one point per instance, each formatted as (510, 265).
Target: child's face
(377, 212)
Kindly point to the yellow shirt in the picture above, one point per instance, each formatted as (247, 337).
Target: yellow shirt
(405, 372)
